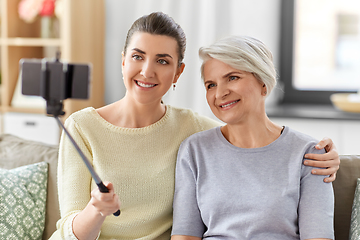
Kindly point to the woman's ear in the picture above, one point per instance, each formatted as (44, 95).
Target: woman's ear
(179, 71)
(122, 58)
(122, 64)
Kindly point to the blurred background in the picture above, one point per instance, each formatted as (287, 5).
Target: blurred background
(315, 44)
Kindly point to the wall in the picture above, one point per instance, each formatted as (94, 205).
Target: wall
(340, 131)
(203, 21)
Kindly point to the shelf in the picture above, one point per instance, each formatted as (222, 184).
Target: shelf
(322, 112)
(31, 42)
(80, 37)
(22, 110)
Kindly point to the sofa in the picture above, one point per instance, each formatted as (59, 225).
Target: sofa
(16, 152)
(344, 190)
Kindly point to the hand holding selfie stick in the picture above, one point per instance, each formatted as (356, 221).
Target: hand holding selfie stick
(56, 81)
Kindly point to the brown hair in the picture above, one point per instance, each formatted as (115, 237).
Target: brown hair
(159, 23)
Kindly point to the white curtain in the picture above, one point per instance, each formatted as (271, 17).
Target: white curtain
(203, 21)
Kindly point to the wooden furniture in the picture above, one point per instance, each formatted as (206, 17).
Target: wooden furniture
(81, 40)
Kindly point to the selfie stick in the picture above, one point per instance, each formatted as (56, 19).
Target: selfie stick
(94, 175)
(54, 107)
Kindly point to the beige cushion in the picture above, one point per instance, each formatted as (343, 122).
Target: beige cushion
(344, 189)
(16, 152)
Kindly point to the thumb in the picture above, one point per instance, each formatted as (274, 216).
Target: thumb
(109, 186)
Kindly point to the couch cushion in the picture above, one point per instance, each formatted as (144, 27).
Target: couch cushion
(23, 201)
(344, 189)
(16, 152)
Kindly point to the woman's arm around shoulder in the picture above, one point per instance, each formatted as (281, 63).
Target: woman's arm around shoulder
(316, 204)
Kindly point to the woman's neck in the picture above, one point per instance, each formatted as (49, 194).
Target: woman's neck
(252, 134)
(127, 114)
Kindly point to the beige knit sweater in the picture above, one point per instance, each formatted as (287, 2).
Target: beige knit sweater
(140, 162)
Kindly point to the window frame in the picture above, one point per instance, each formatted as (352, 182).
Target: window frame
(292, 95)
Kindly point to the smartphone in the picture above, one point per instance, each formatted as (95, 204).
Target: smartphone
(55, 80)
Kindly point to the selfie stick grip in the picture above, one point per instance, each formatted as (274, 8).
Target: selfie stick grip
(94, 175)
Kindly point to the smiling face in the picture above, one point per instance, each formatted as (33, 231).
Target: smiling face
(150, 67)
(234, 96)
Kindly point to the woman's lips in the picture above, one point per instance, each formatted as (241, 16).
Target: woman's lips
(228, 104)
(144, 85)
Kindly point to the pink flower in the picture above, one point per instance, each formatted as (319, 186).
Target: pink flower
(29, 9)
(48, 8)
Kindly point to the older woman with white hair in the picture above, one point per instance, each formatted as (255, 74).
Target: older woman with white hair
(246, 179)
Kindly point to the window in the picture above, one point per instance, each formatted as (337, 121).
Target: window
(320, 49)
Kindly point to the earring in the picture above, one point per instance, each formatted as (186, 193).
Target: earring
(174, 86)
(265, 92)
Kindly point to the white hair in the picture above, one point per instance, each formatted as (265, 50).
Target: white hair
(243, 53)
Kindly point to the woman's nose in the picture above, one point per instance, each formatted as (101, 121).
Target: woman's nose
(148, 70)
(222, 91)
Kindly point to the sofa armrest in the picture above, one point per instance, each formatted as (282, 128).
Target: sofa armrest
(344, 190)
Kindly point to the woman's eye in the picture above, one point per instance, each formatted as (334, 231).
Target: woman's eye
(136, 57)
(233, 78)
(211, 85)
(162, 61)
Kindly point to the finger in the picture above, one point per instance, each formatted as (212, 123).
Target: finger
(94, 191)
(318, 157)
(108, 184)
(117, 202)
(331, 178)
(102, 197)
(322, 157)
(111, 206)
(95, 195)
(324, 142)
(106, 208)
(320, 164)
(325, 172)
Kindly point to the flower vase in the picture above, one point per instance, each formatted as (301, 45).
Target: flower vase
(46, 27)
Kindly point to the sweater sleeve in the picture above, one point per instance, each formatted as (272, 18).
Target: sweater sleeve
(186, 215)
(316, 205)
(74, 179)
